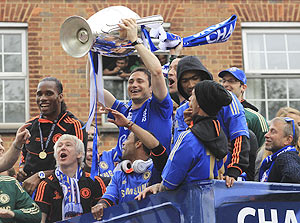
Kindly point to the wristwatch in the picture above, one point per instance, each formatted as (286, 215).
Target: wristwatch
(41, 175)
(138, 41)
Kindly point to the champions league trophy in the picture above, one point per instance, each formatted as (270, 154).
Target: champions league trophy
(101, 33)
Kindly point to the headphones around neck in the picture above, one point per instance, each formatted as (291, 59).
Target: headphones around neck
(138, 166)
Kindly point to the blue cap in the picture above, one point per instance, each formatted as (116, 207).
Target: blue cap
(236, 72)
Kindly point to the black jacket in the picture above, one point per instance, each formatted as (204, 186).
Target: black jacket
(286, 168)
(209, 132)
(67, 124)
(49, 195)
(246, 104)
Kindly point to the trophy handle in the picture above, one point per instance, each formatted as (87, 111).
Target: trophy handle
(154, 19)
(78, 36)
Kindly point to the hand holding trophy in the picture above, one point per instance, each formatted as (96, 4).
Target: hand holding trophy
(101, 32)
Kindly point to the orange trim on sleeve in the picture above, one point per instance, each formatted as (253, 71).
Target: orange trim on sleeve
(191, 124)
(103, 199)
(22, 159)
(32, 118)
(236, 168)
(62, 128)
(102, 185)
(44, 202)
(77, 127)
(42, 120)
(216, 127)
(236, 151)
(40, 191)
(160, 153)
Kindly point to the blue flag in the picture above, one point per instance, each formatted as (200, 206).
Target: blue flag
(214, 34)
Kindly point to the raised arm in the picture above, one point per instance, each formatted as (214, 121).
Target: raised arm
(151, 62)
(11, 156)
(108, 98)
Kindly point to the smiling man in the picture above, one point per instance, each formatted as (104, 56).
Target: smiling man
(37, 160)
(283, 166)
(69, 191)
(150, 106)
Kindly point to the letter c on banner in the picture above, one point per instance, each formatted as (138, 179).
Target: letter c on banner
(243, 214)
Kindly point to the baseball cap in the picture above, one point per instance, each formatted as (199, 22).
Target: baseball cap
(236, 72)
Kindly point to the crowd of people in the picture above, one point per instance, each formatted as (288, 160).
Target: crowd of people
(194, 129)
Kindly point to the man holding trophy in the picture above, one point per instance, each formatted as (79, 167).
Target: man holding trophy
(150, 113)
(151, 105)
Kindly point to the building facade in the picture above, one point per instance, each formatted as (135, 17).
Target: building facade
(265, 43)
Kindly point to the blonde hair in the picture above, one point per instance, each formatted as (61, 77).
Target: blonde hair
(284, 111)
(78, 146)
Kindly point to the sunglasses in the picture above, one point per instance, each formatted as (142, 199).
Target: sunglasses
(288, 120)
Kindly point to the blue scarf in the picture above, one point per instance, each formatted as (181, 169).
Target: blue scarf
(71, 205)
(269, 161)
(214, 34)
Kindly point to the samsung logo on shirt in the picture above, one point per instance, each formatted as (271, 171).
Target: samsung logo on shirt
(133, 191)
(107, 174)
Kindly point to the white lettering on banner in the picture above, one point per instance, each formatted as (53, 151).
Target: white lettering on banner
(262, 219)
(244, 213)
(290, 216)
(221, 35)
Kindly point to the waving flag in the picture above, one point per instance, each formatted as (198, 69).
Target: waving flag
(214, 34)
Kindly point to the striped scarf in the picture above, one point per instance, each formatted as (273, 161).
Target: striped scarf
(269, 161)
(71, 202)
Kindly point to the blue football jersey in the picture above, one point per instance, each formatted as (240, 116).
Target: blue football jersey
(231, 117)
(107, 161)
(153, 116)
(189, 161)
(125, 187)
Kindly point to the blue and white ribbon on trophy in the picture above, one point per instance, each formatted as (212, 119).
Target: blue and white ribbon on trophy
(96, 94)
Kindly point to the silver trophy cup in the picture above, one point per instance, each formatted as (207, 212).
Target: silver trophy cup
(101, 33)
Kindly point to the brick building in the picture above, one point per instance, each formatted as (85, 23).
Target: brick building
(265, 43)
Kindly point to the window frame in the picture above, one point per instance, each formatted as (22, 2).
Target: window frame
(266, 28)
(104, 123)
(17, 28)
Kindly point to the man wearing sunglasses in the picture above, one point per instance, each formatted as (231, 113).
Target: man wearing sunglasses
(283, 166)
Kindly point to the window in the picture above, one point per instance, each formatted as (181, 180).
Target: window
(13, 75)
(271, 62)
